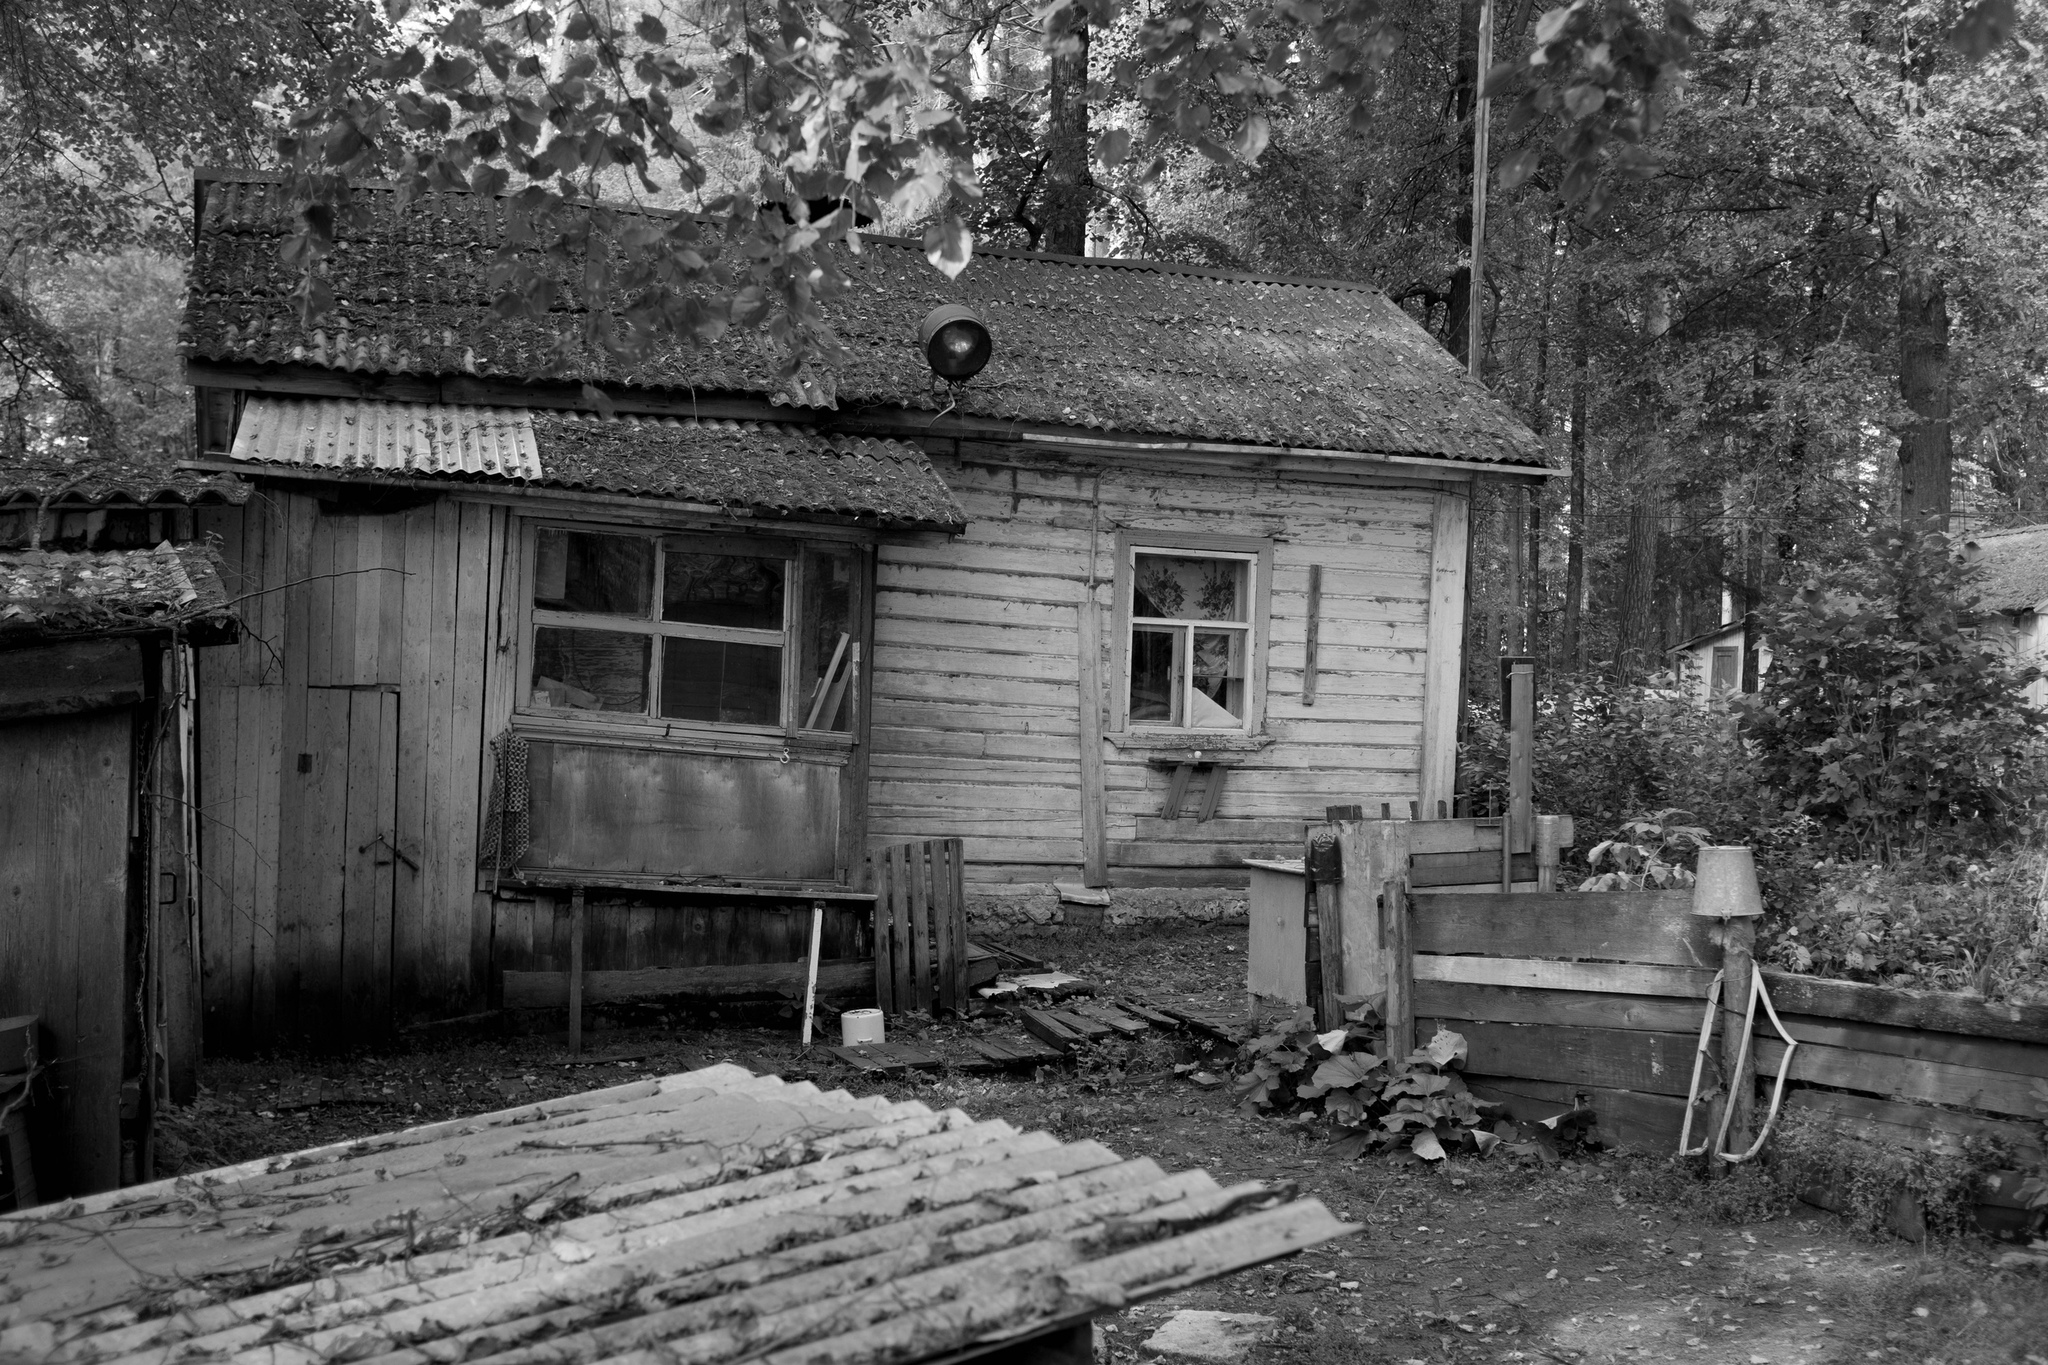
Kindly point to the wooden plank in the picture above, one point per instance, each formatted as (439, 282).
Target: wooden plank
(1014, 1053)
(1626, 1118)
(1312, 620)
(1444, 659)
(1612, 978)
(1109, 1015)
(1908, 1078)
(466, 922)
(65, 679)
(950, 945)
(1400, 1003)
(1050, 1029)
(411, 917)
(1986, 1054)
(1094, 816)
(319, 864)
(1620, 1059)
(576, 981)
(1467, 869)
(365, 886)
(906, 990)
(1092, 1030)
(846, 978)
(224, 842)
(388, 863)
(1916, 1127)
(1522, 1005)
(263, 714)
(1939, 1011)
(1649, 927)
(884, 934)
(887, 1058)
(920, 883)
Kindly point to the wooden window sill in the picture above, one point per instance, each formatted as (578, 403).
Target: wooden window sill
(680, 736)
(1183, 741)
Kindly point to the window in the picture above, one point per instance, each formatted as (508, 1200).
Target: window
(1191, 641)
(702, 629)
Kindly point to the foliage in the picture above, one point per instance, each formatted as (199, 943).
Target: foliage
(1884, 1188)
(1418, 1102)
(1647, 854)
(1931, 923)
(1889, 715)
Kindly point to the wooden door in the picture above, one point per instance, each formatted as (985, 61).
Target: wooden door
(65, 788)
(339, 863)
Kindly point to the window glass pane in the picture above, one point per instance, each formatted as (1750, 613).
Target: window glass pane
(722, 590)
(826, 638)
(1219, 680)
(1189, 589)
(1155, 674)
(591, 670)
(579, 571)
(722, 682)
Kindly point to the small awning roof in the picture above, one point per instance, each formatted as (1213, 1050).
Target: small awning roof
(46, 593)
(762, 468)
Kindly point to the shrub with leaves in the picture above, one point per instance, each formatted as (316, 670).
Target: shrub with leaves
(1890, 715)
(1647, 854)
(1418, 1102)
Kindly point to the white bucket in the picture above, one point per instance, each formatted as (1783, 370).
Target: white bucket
(860, 1026)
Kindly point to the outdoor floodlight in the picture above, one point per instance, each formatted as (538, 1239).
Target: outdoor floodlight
(955, 343)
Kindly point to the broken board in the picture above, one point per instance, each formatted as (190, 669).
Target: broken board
(1015, 1054)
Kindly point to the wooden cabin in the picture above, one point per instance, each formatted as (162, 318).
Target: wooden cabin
(100, 887)
(2010, 581)
(1182, 565)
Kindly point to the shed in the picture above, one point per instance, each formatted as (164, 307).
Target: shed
(99, 886)
(1184, 564)
(1709, 665)
(2011, 583)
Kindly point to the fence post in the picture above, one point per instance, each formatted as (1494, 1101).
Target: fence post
(1738, 965)
(1400, 1011)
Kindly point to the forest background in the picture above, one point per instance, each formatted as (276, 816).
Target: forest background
(1763, 311)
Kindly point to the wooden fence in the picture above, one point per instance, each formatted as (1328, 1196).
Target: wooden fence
(1600, 997)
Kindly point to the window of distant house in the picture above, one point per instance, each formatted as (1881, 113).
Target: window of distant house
(1191, 641)
(712, 630)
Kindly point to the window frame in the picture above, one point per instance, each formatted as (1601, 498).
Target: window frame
(1254, 551)
(650, 725)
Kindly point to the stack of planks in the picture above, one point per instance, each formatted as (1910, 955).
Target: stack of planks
(710, 1216)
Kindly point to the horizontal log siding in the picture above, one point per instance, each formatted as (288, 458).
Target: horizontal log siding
(976, 719)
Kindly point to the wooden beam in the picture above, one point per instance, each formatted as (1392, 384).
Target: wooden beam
(576, 970)
(1613, 978)
(1641, 926)
(837, 979)
(1311, 630)
(1937, 1011)
(1094, 798)
(1443, 662)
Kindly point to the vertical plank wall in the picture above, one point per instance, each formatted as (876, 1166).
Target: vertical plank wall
(344, 731)
(976, 692)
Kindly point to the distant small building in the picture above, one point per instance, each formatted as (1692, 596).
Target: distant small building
(2012, 585)
(1709, 665)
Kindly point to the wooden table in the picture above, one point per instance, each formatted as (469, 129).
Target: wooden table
(713, 1216)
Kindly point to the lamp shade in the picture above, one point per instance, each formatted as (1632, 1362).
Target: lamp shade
(1726, 887)
(955, 342)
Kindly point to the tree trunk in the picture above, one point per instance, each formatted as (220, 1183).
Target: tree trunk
(1636, 619)
(1464, 98)
(1926, 447)
(1575, 518)
(1069, 187)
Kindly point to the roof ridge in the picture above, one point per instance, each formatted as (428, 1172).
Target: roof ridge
(231, 175)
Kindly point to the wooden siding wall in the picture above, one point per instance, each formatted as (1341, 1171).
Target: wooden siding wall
(342, 763)
(976, 667)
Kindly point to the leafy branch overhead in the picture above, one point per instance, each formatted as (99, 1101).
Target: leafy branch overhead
(769, 134)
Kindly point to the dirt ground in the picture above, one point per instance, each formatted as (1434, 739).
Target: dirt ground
(1609, 1258)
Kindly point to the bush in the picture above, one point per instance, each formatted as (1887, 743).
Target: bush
(1889, 715)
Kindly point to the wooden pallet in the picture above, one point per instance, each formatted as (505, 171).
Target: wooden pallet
(921, 949)
(1015, 1054)
(888, 1059)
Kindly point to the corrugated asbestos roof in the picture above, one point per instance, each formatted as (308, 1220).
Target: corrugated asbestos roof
(82, 592)
(709, 1217)
(2012, 567)
(1141, 348)
(764, 468)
